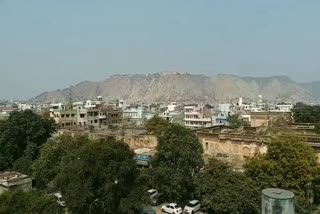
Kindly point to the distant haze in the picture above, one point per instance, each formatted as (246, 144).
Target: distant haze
(47, 45)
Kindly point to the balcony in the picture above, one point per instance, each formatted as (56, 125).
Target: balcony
(198, 119)
(191, 113)
(102, 116)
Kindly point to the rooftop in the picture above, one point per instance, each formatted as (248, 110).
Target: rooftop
(13, 178)
(194, 202)
(280, 194)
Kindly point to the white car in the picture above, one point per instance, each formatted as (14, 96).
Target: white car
(192, 207)
(60, 200)
(152, 192)
(171, 208)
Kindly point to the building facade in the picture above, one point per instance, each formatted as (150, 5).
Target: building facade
(196, 117)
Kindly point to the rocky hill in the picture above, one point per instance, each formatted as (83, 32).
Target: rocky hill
(182, 87)
(313, 88)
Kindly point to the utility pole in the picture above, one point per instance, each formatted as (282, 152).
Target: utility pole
(70, 97)
(70, 106)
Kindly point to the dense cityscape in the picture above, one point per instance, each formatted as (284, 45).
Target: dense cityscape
(95, 156)
(159, 107)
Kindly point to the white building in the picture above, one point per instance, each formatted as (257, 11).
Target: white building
(90, 104)
(225, 109)
(14, 181)
(172, 106)
(196, 117)
(283, 107)
(57, 106)
(23, 106)
(133, 113)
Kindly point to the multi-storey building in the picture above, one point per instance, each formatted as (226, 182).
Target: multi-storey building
(196, 116)
(283, 107)
(65, 118)
(86, 114)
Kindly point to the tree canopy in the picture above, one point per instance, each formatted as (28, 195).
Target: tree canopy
(20, 138)
(303, 113)
(226, 192)
(236, 122)
(178, 158)
(290, 163)
(157, 125)
(48, 165)
(100, 174)
(19, 202)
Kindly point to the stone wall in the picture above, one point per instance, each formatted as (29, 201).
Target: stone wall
(231, 146)
(139, 141)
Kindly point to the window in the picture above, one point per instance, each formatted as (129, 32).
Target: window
(91, 121)
(207, 146)
(80, 123)
(82, 115)
(95, 121)
(67, 115)
(62, 115)
(72, 115)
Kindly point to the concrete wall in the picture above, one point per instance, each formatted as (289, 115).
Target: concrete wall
(24, 185)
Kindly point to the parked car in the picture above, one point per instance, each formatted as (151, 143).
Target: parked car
(60, 200)
(171, 208)
(157, 199)
(152, 192)
(149, 211)
(192, 207)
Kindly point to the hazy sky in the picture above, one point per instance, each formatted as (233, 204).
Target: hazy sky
(50, 44)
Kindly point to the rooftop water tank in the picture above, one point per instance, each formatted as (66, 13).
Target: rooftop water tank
(277, 201)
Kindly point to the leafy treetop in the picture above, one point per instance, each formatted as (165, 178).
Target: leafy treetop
(303, 113)
(101, 173)
(19, 202)
(157, 125)
(20, 138)
(224, 191)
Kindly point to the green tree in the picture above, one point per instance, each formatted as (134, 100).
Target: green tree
(236, 122)
(18, 202)
(157, 125)
(178, 158)
(101, 175)
(20, 138)
(290, 163)
(303, 113)
(227, 192)
(47, 166)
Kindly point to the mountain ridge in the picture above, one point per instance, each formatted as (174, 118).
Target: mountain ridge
(184, 87)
